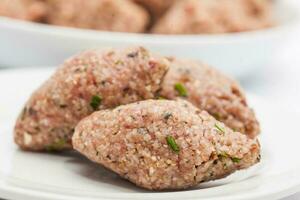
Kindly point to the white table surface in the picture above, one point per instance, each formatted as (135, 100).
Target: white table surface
(280, 82)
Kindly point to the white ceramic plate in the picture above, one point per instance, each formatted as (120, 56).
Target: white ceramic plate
(69, 176)
(32, 44)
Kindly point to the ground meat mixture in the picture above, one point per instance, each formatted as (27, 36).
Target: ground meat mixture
(156, 7)
(116, 15)
(31, 10)
(90, 81)
(210, 90)
(158, 16)
(215, 16)
(163, 144)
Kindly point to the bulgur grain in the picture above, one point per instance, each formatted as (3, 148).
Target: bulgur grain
(56, 107)
(152, 164)
(210, 90)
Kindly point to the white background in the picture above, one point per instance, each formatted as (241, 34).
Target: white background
(280, 81)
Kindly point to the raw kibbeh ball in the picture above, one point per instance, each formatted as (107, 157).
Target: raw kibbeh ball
(210, 90)
(116, 15)
(215, 16)
(92, 80)
(31, 10)
(163, 144)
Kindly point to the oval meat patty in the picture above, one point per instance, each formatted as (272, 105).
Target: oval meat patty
(90, 81)
(210, 90)
(32, 10)
(215, 16)
(163, 144)
(109, 15)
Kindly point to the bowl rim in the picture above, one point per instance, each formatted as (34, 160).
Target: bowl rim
(144, 38)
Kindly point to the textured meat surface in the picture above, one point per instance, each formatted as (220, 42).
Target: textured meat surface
(210, 90)
(32, 10)
(90, 81)
(116, 15)
(131, 140)
(156, 7)
(215, 16)
(168, 16)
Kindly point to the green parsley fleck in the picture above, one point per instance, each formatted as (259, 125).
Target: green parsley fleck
(95, 102)
(236, 159)
(172, 144)
(217, 116)
(219, 128)
(179, 87)
(119, 62)
(223, 155)
(56, 146)
(161, 98)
